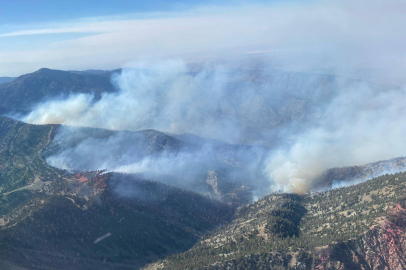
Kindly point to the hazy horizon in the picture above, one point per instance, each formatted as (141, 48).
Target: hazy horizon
(317, 34)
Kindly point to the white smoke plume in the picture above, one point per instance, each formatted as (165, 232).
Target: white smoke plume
(161, 95)
(350, 122)
(360, 125)
(312, 121)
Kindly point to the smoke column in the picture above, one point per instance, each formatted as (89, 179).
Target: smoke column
(359, 126)
(329, 94)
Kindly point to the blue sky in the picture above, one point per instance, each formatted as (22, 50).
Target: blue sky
(28, 27)
(22, 24)
(28, 11)
(110, 34)
(34, 11)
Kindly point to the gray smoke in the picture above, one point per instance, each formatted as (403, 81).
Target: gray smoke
(311, 122)
(303, 107)
(163, 96)
(361, 125)
(184, 161)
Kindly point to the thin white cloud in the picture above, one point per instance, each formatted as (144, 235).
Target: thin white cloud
(46, 31)
(356, 33)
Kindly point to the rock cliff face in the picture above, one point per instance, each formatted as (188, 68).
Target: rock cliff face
(212, 181)
(356, 227)
(382, 247)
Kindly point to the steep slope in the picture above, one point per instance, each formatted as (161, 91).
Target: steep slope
(219, 169)
(382, 247)
(336, 177)
(6, 79)
(110, 221)
(357, 227)
(52, 219)
(24, 149)
(86, 149)
(27, 90)
(28, 150)
(21, 161)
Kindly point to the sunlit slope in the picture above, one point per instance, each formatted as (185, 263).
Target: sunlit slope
(24, 172)
(357, 226)
(52, 219)
(21, 161)
(32, 155)
(61, 213)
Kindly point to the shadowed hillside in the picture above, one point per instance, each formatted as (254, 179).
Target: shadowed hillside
(343, 176)
(140, 221)
(52, 219)
(22, 93)
(6, 79)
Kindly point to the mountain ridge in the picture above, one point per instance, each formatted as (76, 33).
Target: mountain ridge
(354, 227)
(25, 91)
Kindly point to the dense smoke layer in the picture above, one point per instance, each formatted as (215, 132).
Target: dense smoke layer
(345, 122)
(162, 96)
(296, 102)
(361, 125)
(216, 102)
(184, 161)
(343, 34)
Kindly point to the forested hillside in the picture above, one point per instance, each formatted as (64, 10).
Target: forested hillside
(22, 93)
(314, 231)
(51, 218)
(112, 221)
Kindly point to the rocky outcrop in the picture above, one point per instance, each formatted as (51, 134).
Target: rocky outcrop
(382, 247)
(212, 181)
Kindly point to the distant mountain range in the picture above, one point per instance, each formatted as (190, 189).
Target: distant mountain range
(259, 113)
(6, 79)
(20, 94)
